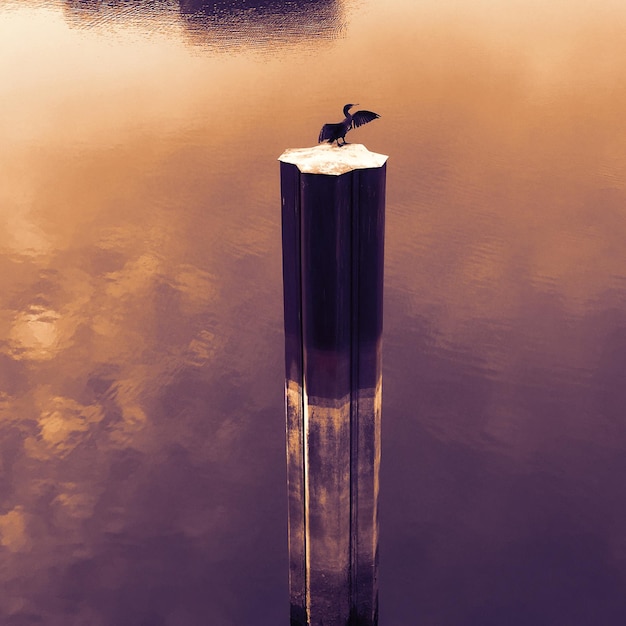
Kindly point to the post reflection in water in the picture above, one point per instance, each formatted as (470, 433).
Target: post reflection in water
(223, 23)
(142, 461)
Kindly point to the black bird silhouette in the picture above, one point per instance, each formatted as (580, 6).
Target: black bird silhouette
(335, 132)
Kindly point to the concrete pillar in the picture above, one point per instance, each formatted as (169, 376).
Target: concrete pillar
(333, 213)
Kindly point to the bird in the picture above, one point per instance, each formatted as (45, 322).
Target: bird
(335, 132)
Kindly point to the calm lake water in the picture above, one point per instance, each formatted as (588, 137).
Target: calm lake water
(142, 467)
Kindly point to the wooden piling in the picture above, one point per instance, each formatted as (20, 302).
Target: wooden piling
(333, 213)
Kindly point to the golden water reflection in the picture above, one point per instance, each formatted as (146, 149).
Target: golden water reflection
(141, 420)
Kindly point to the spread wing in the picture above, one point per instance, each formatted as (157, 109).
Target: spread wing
(363, 117)
(329, 132)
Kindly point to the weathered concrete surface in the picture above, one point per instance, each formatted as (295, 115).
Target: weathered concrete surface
(333, 241)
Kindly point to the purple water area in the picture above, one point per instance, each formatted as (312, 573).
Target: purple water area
(142, 437)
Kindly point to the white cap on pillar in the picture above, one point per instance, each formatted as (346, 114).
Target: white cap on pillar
(333, 160)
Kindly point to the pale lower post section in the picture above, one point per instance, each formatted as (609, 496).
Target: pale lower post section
(328, 518)
(333, 511)
(367, 462)
(296, 502)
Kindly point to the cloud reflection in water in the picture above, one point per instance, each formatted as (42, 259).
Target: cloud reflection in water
(141, 423)
(129, 463)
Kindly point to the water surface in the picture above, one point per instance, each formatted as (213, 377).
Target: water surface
(142, 473)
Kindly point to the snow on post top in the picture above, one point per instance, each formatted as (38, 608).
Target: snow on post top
(327, 159)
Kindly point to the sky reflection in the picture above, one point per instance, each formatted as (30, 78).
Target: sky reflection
(113, 342)
(141, 411)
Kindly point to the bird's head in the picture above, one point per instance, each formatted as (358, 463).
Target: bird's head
(347, 108)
